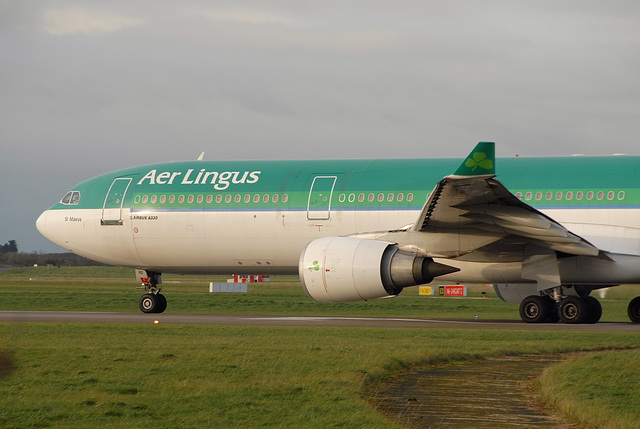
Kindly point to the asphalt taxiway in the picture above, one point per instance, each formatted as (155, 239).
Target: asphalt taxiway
(368, 322)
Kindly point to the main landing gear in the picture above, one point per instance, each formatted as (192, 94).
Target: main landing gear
(570, 309)
(152, 301)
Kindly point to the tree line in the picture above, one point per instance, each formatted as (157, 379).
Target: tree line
(9, 255)
(10, 247)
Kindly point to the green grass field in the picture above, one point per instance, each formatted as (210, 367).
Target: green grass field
(114, 290)
(160, 375)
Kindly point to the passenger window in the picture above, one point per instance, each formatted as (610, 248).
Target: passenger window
(219, 198)
(519, 195)
(181, 199)
(172, 199)
(380, 197)
(579, 195)
(409, 197)
(569, 195)
(275, 198)
(390, 198)
(528, 196)
(209, 199)
(370, 198)
(590, 195)
(190, 199)
(600, 195)
(610, 195)
(247, 198)
(558, 196)
(154, 199)
(265, 198)
(227, 199)
(400, 197)
(237, 198)
(285, 198)
(163, 199)
(361, 198)
(200, 199)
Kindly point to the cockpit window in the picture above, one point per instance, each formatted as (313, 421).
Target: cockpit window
(71, 198)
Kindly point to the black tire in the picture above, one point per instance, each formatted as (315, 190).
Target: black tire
(534, 309)
(594, 310)
(573, 310)
(162, 303)
(149, 303)
(634, 310)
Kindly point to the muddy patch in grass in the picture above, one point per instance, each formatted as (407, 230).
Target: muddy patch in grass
(491, 393)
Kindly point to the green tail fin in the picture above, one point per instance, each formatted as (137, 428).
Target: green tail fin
(480, 162)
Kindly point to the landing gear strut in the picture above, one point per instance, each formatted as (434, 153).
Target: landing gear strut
(152, 301)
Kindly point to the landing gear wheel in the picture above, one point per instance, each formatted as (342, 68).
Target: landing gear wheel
(162, 303)
(594, 312)
(573, 310)
(634, 310)
(535, 309)
(150, 303)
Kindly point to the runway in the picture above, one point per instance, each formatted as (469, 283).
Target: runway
(362, 322)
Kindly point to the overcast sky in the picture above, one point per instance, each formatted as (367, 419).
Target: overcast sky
(91, 87)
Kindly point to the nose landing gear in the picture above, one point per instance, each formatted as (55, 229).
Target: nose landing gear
(152, 301)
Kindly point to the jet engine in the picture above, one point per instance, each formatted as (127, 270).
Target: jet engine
(343, 269)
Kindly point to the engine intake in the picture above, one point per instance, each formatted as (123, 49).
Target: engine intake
(343, 269)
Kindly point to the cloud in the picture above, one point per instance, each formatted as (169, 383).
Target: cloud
(254, 16)
(78, 20)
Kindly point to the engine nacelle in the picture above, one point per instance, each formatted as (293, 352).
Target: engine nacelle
(342, 269)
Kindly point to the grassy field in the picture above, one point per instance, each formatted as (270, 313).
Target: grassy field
(576, 385)
(139, 375)
(113, 290)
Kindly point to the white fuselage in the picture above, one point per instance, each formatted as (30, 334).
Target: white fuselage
(270, 242)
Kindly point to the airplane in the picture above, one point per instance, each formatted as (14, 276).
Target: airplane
(547, 234)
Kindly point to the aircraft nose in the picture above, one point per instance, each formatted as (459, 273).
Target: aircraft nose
(41, 223)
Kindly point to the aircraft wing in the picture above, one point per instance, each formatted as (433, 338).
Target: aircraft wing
(472, 201)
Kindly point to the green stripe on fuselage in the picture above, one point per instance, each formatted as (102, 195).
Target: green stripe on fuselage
(617, 174)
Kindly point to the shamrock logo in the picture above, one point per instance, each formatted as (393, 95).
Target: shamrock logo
(315, 266)
(479, 159)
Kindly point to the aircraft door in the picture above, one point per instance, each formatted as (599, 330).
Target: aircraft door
(319, 203)
(112, 208)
